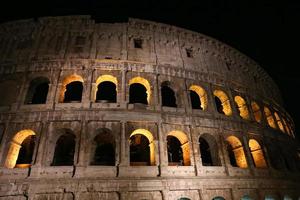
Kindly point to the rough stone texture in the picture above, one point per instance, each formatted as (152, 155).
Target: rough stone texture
(56, 47)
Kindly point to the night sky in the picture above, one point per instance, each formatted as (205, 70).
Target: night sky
(266, 31)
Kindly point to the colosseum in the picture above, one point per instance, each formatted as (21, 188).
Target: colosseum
(138, 110)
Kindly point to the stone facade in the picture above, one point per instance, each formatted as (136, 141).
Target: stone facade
(253, 124)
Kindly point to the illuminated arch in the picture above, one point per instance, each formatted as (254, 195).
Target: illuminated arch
(242, 106)
(224, 101)
(150, 138)
(279, 122)
(15, 147)
(257, 154)
(287, 129)
(104, 78)
(202, 95)
(238, 151)
(145, 83)
(256, 111)
(69, 79)
(185, 146)
(269, 117)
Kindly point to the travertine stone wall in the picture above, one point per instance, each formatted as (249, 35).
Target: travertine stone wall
(59, 47)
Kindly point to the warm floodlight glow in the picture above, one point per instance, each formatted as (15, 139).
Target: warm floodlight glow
(279, 122)
(242, 106)
(66, 81)
(145, 83)
(225, 102)
(269, 117)
(257, 154)
(15, 147)
(256, 111)
(150, 138)
(202, 95)
(238, 151)
(102, 79)
(185, 146)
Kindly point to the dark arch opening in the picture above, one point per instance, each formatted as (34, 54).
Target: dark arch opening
(205, 153)
(195, 100)
(139, 150)
(137, 93)
(219, 105)
(104, 149)
(175, 155)
(64, 150)
(37, 91)
(218, 198)
(73, 92)
(231, 155)
(168, 96)
(26, 151)
(107, 92)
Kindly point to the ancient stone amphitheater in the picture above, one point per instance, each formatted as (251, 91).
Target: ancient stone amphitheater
(137, 111)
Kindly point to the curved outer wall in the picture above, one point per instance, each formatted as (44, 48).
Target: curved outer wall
(59, 47)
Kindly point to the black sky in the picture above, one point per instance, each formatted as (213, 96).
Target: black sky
(265, 30)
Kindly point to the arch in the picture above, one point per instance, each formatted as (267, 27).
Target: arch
(224, 101)
(184, 198)
(256, 111)
(209, 150)
(257, 154)
(103, 148)
(242, 107)
(22, 141)
(279, 122)
(37, 91)
(168, 96)
(143, 82)
(184, 146)
(106, 88)
(199, 101)
(269, 117)
(236, 152)
(68, 80)
(64, 150)
(139, 138)
(287, 129)
(218, 198)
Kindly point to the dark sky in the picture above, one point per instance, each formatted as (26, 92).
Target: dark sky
(265, 30)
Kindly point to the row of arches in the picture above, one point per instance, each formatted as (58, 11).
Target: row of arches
(142, 148)
(106, 90)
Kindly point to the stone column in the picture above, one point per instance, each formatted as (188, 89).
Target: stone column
(42, 145)
(163, 158)
(81, 160)
(124, 159)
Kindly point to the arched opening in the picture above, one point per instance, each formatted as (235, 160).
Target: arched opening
(71, 91)
(198, 97)
(37, 91)
(269, 117)
(257, 154)
(21, 150)
(103, 148)
(168, 96)
(218, 198)
(222, 103)
(242, 107)
(106, 90)
(139, 91)
(256, 111)
(236, 152)
(178, 149)
(142, 148)
(184, 198)
(287, 130)
(64, 150)
(279, 122)
(209, 151)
